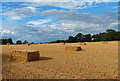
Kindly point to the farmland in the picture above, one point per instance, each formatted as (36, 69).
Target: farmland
(95, 61)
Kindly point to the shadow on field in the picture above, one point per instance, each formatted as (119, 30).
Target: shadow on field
(45, 58)
(83, 50)
(41, 58)
(5, 58)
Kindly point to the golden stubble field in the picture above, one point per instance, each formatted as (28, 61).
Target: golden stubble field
(95, 61)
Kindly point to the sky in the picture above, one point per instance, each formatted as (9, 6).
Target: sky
(49, 21)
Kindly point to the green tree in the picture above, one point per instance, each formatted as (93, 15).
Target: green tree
(0, 41)
(103, 36)
(79, 37)
(32, 43)
(111, 34)
(110, 31)
(117, 36)
(87, 38)
(72, 39)
(25, 42)
(4, 41)
(9, 40)
(18, 42)
(96, 37)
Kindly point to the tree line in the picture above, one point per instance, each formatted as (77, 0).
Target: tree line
(109, 35)
(9, 40)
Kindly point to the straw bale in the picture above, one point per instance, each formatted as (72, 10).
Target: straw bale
(62, 43)
(24, 55)
(27, 44)
(105, 42)
(73, 48)
(8, 44)
(82, 43)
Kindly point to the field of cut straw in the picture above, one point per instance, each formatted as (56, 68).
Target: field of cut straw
(96, 61)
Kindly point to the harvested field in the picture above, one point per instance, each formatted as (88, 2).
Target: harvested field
(96, 61)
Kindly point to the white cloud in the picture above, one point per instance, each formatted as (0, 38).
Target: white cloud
(38, 22)
(7, 32)
(114, 23)
(115, 7)
(69, 30)
(74, 16)
(28, 36)
(66, 5)
(15, 17)
(19, 13)
(33, 9)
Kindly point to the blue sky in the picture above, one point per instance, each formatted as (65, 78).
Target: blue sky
(48, 21)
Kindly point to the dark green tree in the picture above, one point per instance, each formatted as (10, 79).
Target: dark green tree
(96, 37)
(102, 36)
(87, 38)
(72, 39)
(18, 42)
(9, 40)
(32, 43)
(79, 37)
(117, 36)
(0, 41)
(111, 34)
(4, 41)
(25, 42)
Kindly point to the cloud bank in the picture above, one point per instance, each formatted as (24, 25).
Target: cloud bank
(53, 24)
